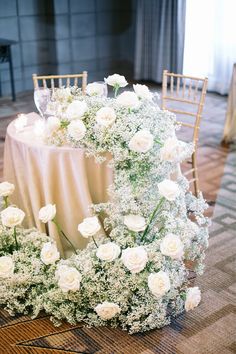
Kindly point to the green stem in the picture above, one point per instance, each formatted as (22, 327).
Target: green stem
(5, 201)
(159, 231)
(64, 123)
(158, 142)
(16, 243)
(110, 238)
(60, 231)
(116, 89)
(95, 242)
(151, 218)
(133, 235)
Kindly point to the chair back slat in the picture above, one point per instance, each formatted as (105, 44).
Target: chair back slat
(172, 84)
(84, 81)
(189, 89)
(178, 86)
(184, 86)
(53, 79)
(196, 90)
(185, 96)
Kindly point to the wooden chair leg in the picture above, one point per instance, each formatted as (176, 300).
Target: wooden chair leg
(195, 174)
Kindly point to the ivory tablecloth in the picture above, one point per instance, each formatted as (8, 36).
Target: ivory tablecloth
(59, 175)
(230, 122)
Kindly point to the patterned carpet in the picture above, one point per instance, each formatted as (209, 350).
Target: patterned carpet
(211, 328)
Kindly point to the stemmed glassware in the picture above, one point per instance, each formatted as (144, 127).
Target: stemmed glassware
(103, 85)
(42, 97)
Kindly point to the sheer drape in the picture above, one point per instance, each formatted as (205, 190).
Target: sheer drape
(210, 41)
(160, 26)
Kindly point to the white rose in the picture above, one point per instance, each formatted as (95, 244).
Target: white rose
(135, 259)
(159, 283)
(142, 92)
(12, 216)
(169, 189)
(76, 109)
(172, 246)
(128, 100)
(49, 253)
(89, 227)
(107, 310)
(116, 80)
(47, 213)
(69, 278)
(105, 116)
(6, 189)
(193, 298)
(135, 222)
(172, 149)
(53, 124)
(6, 267)
(142, 141)
(95, 89)
(108, 252)
(76, 129)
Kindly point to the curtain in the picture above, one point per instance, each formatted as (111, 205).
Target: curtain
(210, 41)
(160, 27)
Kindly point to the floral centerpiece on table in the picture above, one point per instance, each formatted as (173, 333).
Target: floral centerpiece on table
(135, 276)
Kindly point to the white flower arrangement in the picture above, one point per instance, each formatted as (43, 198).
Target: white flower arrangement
(107, 310)
(12, 216)
(49, 253)
(95, 89)
(136, 276)
(159, 283)
(89, 227)
(6, 266)
(108, 252)
(135, 223)
(6, 189)
(76, 110)
(47, 213)
(142, 91)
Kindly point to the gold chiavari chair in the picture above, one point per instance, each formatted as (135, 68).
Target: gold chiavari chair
(62, 80)
(185, 96)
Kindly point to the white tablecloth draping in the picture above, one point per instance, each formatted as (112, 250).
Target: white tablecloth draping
(59, 175)
(230, 122)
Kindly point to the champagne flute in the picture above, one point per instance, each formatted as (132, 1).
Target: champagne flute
(42, 97)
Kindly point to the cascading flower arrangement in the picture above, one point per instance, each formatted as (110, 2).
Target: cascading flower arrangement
(135, 276)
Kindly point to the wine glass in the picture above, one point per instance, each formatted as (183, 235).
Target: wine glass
(103, 86)
(42, 97)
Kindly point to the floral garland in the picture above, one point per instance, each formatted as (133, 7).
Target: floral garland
(136, 276)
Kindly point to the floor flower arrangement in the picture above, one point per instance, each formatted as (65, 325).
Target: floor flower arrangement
(136, 276)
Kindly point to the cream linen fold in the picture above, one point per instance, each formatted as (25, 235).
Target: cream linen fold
(59, 175)
(230, 122)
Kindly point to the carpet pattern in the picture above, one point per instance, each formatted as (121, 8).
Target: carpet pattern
(211, 328)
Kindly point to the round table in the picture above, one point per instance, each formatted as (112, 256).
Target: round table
(63, 176)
